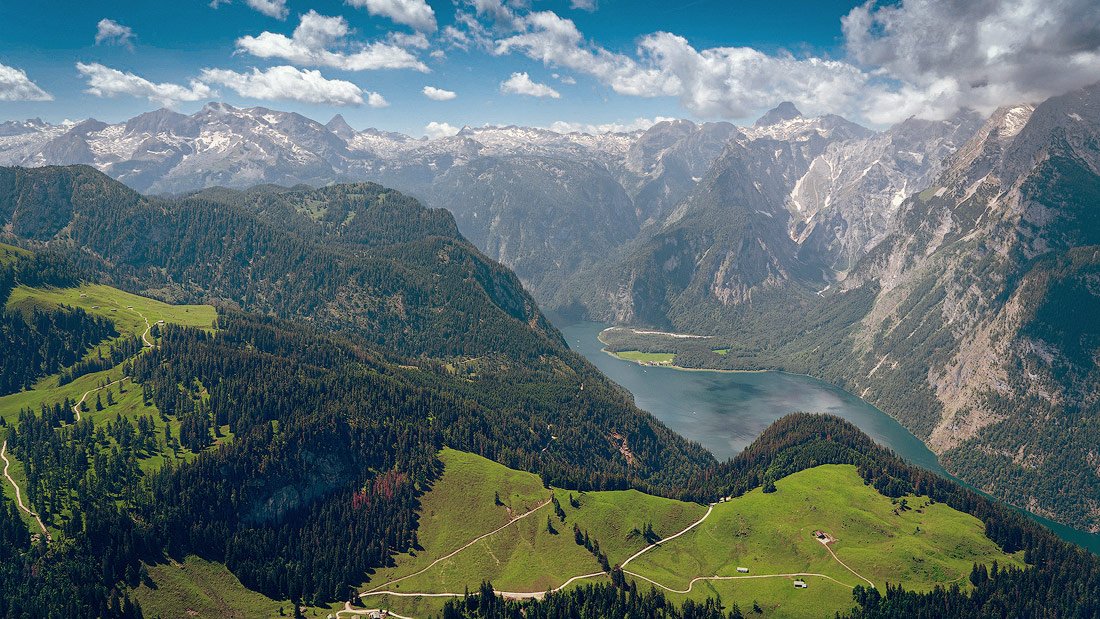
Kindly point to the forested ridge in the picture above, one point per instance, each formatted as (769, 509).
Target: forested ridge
(46, 340)
(310, 431)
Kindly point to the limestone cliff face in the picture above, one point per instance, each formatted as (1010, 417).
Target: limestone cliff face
(986, 282)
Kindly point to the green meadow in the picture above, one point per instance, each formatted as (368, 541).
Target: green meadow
(910, 540)
(638, 356)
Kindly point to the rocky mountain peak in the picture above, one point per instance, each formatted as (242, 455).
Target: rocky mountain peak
(784, 111)
(340, 127)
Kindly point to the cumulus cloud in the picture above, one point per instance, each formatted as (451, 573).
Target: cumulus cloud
(415, 13)
(107, 82)
(435, 130)
(16, 86)
(409, 39)
(638, 124)
(730, 82)
(583, 5)
(499, 13)
(984, 54)
(521, 84)
(564, 79)
(438, 94)
(111, 32)
(376, 100)
(314, 40)
(287, 83)
(556, 41)
(271, 8)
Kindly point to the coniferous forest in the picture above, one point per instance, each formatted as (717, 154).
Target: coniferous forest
(349, 348)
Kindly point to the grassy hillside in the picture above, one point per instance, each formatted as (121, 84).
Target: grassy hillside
(200, 588)
(920, 545)
(525, 556)
(129, 313)
(910, 540)
(124, 308)
(10, 253)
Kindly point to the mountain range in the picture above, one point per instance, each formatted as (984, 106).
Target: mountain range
(926, 266)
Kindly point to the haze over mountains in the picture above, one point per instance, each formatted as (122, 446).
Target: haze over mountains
(925, 266)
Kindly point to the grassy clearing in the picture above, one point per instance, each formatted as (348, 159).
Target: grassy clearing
(199, 588)
(770, 534)
(925, 545)
(19, 475)
(113, 303)
(108, 302)
(10, 253)
(721, 351)
(526, 556)
(638, 356)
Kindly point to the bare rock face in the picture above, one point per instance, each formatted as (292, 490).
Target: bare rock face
(984, 284)
(846, 201)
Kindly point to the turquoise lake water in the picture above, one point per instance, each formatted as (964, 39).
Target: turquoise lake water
(725, 411)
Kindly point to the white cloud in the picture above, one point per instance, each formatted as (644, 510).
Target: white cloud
(311, 42)
(409, 39)
(564, 79)
(415, 13)
(113, 33)
(376, 100)
(521, 84)
(438, 94)
(435, 130)
(498, 12)
(288, 84)
(16, 86)
(438, 54)
(457, 38)
(271, 8)
(985, 54)
(727, 82)
(562, 126)
(583, 5)
(107, 82)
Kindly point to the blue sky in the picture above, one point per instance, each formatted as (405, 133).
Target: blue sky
(533, 62)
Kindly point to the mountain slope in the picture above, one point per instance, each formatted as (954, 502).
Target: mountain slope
(983, 282)
(969, 321)
(372, 265)
(540, 201)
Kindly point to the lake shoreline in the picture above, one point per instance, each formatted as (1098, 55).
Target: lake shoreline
(725, 410)
(681, 368)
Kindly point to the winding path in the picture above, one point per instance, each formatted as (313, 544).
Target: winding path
(540, 594)
(464, 547)
(144, 339)
(148, 327)
(520, 595)
(701, 578)
(861, 576)
(18, 494)
(691, 526)
(76, 410)
(76, 407)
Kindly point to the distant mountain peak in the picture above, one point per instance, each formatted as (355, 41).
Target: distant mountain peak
(783, 111)
(340, 127)
(218, 106)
